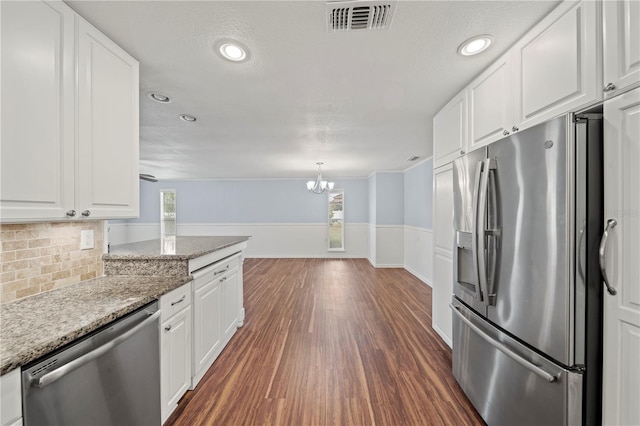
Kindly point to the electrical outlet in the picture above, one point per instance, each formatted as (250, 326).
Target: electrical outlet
(86, 240)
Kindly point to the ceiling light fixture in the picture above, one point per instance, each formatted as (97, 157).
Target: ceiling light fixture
(233, 51)
(319, 186)
(188, 118)
(475, 45)
(159, 97)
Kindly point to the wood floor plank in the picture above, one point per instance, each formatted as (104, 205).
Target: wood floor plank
(330, 342)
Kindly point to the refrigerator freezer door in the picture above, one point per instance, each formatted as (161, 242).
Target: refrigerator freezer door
(466, 180)
(533, 213)
(508, 383)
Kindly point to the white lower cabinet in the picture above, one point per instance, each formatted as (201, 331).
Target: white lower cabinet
(217, 310)
(11, 399)
(176, 360)
(230, 304)
(207, 330)
(175, 347)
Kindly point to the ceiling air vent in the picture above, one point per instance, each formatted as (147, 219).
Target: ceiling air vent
(360, 15)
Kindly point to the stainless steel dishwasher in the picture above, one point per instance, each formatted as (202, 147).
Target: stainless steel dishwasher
(111, 377)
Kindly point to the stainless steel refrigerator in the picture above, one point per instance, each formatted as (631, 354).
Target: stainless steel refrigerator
(527, 284)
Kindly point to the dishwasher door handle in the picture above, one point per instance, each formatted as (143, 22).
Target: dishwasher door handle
(59, 372)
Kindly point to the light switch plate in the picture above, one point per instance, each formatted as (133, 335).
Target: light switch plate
(86, 240)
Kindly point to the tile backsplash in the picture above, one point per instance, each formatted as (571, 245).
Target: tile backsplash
(38, 257)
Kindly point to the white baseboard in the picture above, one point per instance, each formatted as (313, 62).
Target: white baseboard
(418, 276)
(443, 336)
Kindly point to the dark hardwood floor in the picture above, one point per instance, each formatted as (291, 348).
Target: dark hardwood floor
(330, 342)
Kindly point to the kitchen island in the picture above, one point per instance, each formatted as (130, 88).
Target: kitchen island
(197, 281)
(198, 319)
(171, 255)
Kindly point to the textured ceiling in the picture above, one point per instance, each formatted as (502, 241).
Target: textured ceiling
(359, 101)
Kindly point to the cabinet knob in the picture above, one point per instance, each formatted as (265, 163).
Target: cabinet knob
(167, 328)
(609, 87)
(71, 213)
(506, 133)
(515, 129)
(462, 152)
(86, 213)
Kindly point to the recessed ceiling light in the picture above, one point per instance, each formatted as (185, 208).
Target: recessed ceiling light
(188, 118)
(233, 51)
(475, 45)
(159, 97)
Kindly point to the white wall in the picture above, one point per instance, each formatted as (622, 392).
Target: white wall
(306, 240)
(387, 217)
(389, 246)
(418, 253)
(418, 235)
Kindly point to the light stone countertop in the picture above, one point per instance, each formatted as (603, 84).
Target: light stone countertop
(34, 326)
(181, 248)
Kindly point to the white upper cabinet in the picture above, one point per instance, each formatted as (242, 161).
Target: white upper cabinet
(65, 150)
(450, 130)
(107, 127)
(490, 104)
(38, 78)
(621, 46)
(556, 64)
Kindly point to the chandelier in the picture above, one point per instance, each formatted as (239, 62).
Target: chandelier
(319, 186)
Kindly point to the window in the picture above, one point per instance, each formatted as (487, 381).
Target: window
(336, 220)
(167, 212)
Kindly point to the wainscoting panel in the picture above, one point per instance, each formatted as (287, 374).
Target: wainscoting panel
(303, 240)
(418, 252)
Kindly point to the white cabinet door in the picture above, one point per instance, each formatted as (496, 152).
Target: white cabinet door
(230, 308)
(556, 66)
(442, 292)
(621, 45)
(107, 127)
(490, 105)
(175, 360)
(621, 387)
(443, 208)
(11, 398)
(450, 130)
(207, 327)
(443, 251)
(38, 79)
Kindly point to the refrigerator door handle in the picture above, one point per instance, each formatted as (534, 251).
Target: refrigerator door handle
(474, 234)
(480, 230)
(504, 349)
(611, 223)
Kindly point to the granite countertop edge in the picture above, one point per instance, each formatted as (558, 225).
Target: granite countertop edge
(135, 251)
(30, 349)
